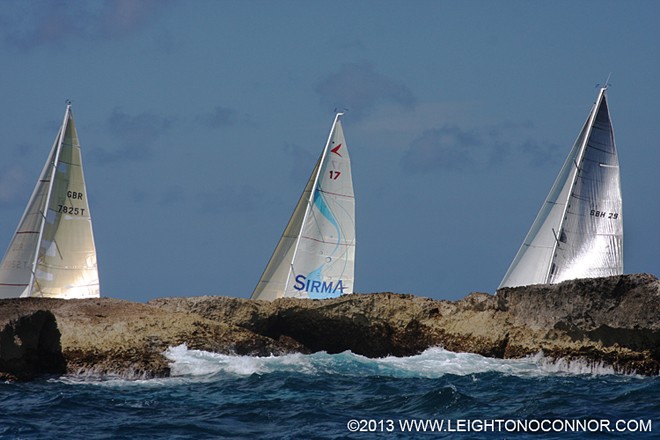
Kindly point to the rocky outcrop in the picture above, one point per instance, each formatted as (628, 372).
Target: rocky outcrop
(610, 321)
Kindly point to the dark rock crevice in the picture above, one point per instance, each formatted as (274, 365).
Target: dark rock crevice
(30, 346)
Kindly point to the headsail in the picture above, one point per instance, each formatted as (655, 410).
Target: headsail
(578, 233)
(52, 253)
(316, 255)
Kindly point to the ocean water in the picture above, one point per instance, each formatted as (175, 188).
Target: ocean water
(437, 394)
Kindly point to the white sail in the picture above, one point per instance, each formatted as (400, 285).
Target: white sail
(578, 232)
(52, 253)
(315, 257)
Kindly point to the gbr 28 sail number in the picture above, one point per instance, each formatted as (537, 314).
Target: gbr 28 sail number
(603, 214)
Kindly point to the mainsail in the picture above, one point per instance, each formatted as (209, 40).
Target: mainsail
(316, 255)
(578, 233)
(52, 253)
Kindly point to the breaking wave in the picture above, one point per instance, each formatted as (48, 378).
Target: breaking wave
(432, 363)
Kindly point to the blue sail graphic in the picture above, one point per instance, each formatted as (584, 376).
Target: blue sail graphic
(319, 202)
(317, 274)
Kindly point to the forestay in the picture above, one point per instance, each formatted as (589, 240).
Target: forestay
(578, 232)
(52, 253)
(315, 256)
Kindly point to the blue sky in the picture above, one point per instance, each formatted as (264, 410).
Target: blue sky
(200, 122)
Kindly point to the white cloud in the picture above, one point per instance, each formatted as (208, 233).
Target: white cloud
(360, 89)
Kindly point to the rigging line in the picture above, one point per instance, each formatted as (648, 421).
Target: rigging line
(336, 194)
(556, 239)
(328, 242)
(57, 247)
(601, 150)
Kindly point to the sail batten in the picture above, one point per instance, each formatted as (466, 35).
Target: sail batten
(315, 255)
(568, 237)
(52, 253)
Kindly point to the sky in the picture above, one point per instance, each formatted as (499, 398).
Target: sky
(200, 123)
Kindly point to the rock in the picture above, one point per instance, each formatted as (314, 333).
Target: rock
(30, 346)
(612, 320)
(120, 338)
(604, 321)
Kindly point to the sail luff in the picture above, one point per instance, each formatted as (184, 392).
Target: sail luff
(532, 260)
(576, 171)
(49, 193)
(311, 199)
(16, 268)
(264, 288)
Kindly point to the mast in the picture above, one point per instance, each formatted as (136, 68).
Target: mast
(51, 182)
(578, 164)
(311, 198)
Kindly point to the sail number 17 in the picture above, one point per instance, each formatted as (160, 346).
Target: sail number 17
(334, 175)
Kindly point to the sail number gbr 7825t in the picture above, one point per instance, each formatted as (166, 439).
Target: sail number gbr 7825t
(72, 210)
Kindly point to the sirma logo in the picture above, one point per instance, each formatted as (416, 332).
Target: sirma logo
(311, 286)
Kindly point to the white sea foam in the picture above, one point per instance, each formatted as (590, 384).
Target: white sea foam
(434, 362)
(185, 362)
(202, 366)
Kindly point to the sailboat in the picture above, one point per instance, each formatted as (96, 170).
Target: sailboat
(52, 253)
(578, 233)
(315, 256)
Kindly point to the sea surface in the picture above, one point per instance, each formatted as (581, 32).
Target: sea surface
(437, 394)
